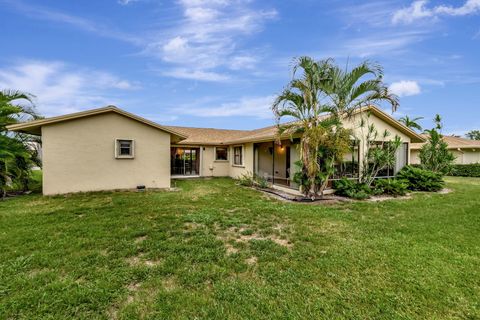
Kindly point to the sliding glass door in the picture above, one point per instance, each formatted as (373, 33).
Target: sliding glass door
(185, 161)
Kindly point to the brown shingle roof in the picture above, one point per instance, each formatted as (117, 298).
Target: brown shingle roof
(268, 133)
(211, 136)
(453, 143)
(208, 136)
(197, 136)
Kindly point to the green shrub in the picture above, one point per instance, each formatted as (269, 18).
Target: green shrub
(360, 195)
(435, 155)
(261, 182)
(466, 170)
(352, 189)
(36, 181)
(394, 187)
(249, 179)
(342, 186)
(421, 180)
(246, 179)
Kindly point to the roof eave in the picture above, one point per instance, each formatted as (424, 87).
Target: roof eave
(34, 127)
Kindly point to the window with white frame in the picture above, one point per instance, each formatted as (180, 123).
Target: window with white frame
(124, 148)
(221, 153)
(238, 155)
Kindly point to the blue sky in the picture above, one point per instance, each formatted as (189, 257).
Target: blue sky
(219, 63)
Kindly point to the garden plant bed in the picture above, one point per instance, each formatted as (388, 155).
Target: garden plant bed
(331, 198)
(284, 196)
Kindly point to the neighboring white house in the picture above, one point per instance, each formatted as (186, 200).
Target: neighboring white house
(108, 149)
(466, 151)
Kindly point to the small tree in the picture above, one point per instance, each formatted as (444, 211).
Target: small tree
(434, 155)
(379, 151)
(473, 135)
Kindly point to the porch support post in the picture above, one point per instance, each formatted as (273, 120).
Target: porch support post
(361, 156)
(254, 160)
(273, 162)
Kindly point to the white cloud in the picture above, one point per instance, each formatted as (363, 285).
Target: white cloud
(159, 118)
(207, 38)
(60, 88)
(257, 107)
(405, 88)
(126, 2)
(204, 39)
(469, 7)
(201, 14)
(381, 43)
(43, 13)
(414, 12)
(370, 13)
(418, 10)
(243, 62)
(195, 75)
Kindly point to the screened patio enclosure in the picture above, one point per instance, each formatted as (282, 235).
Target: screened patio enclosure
(276, 162)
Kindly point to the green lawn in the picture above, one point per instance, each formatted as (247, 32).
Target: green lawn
(219, 251)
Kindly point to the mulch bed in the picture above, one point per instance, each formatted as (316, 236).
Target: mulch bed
(284, 196)
(331, 198)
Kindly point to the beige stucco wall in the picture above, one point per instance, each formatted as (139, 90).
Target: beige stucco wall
(264, 159)
(380, 125)
(247, 166)
(459, 157)
(79, 155)
(210, 166)
(464, 156)
(471, 156)
(415, 156)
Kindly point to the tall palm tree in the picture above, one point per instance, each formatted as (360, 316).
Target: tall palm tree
(300, 100)
(15, 156)
(318, 100)
(349, 90)
(11, 112)
(411, 123)
(315, 121)
(473, 135)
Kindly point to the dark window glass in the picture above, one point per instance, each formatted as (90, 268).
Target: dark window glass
(221, 153)
(125, 147)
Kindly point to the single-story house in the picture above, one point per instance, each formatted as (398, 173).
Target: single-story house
(109, 149)
(466, 151)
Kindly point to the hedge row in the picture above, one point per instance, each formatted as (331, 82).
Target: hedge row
(466, 170)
